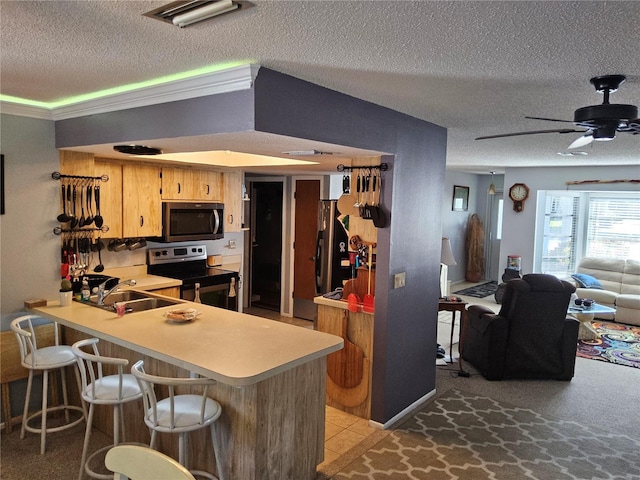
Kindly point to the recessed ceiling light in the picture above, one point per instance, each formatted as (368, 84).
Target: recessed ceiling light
(572, 154)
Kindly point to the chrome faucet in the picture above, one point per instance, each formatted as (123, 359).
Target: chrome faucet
(102, 294)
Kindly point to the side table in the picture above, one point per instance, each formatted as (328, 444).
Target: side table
(453, 307)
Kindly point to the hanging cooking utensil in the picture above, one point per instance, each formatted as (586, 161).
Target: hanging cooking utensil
(100, 267)
(74, 218)
(63, 217)
(358, 186)
(369, 300)
(346, 184)
(89, 219)
(98, 218)
(378, 214)
(82, 220)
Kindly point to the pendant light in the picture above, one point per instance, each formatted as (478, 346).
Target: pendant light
(492, 187)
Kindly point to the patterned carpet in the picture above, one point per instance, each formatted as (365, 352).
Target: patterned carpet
(618, 343)
(466, 437)
(479, 291)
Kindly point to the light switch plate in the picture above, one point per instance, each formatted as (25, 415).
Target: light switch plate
(399, 279)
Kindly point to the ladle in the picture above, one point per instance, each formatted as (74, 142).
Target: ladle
(63, 217)
(98, 218)
(100, 267)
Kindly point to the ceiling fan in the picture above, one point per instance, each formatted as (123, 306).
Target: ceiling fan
(600, 121)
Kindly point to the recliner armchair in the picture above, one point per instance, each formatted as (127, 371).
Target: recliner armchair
(531, 337)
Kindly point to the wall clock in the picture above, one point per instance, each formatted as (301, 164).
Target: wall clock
(518, 192)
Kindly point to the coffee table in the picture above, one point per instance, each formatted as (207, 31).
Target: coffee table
(585, 315)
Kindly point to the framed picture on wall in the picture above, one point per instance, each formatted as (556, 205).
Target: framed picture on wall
(460, 199)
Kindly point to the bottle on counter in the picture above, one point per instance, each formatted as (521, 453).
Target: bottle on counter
(196, 298)
(85, 291)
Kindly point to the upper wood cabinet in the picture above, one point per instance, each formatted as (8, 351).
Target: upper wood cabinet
(110, 197)
(189, 184)
(233, 201)
(141, 202)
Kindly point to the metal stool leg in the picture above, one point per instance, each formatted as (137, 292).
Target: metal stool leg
(45, 399)
(25, 411)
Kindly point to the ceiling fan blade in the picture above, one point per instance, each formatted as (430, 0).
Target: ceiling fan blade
(581, 141)
(534, 132)
(549, 119)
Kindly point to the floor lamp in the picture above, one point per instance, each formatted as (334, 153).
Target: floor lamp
(446, 260)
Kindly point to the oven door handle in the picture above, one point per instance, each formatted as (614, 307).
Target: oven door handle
(214, 221)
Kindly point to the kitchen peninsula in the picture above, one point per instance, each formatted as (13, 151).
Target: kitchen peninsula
(270, 381)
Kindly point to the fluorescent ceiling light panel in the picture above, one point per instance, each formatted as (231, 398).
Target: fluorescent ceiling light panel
(228, 159)
(203, 13)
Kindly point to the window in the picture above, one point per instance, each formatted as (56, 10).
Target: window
(586, 224)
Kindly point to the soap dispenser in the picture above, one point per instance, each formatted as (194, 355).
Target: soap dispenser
(86, 291)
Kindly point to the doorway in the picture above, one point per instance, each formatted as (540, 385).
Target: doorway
(494, 235)
(307, 199)
(266, 245)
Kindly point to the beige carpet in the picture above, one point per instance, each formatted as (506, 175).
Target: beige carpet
(466, 436)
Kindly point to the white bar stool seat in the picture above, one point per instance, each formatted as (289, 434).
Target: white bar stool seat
(181, 413)
(142, 463)
(98, 389)
(45, 359)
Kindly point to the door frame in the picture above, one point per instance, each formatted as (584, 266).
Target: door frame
(292, 231)
(279, 179)
(489, 234)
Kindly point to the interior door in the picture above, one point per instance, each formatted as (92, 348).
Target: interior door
(266, 245)
(307, 198)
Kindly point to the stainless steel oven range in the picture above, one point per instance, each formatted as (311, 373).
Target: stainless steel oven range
(218, 287)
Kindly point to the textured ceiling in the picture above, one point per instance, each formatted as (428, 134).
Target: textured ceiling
(476, 68)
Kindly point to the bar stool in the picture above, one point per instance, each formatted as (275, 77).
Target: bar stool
(55, 357)
(180, 414)
(99, 389)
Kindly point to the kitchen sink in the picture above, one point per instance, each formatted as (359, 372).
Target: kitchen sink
(135, 301)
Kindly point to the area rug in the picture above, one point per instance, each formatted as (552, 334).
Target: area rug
(479, 291)
(462, 436)
(618, 343)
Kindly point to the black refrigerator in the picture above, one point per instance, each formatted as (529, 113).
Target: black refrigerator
(332, 249)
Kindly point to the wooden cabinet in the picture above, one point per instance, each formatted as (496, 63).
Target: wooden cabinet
(233, 204)
(141, 202)
(168, 291)
(110, 197)
(187, 184)
(208, 185)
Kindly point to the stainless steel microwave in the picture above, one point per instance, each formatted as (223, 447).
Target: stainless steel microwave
(182, 221)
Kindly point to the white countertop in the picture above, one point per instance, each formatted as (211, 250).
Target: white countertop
(231, 347)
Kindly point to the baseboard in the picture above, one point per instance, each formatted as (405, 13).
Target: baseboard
(404, 413)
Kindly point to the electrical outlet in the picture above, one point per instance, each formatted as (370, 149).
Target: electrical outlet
(231, 244)
(399, 279)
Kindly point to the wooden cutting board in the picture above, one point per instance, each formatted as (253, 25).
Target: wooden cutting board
(346, 367)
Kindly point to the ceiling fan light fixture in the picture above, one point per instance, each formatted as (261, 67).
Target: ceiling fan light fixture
(183, 13)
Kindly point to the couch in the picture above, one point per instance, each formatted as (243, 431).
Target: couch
(617, 284)
(531, 337)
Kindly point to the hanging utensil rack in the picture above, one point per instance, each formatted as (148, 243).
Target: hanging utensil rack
(383, 167)
(58, 176)
(80, 232)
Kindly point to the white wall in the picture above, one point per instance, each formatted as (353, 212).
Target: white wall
(518, 229)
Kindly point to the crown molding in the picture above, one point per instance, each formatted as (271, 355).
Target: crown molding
(21, 110)
(223, 81)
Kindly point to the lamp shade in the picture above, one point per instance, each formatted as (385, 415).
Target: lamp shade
(446, 255)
